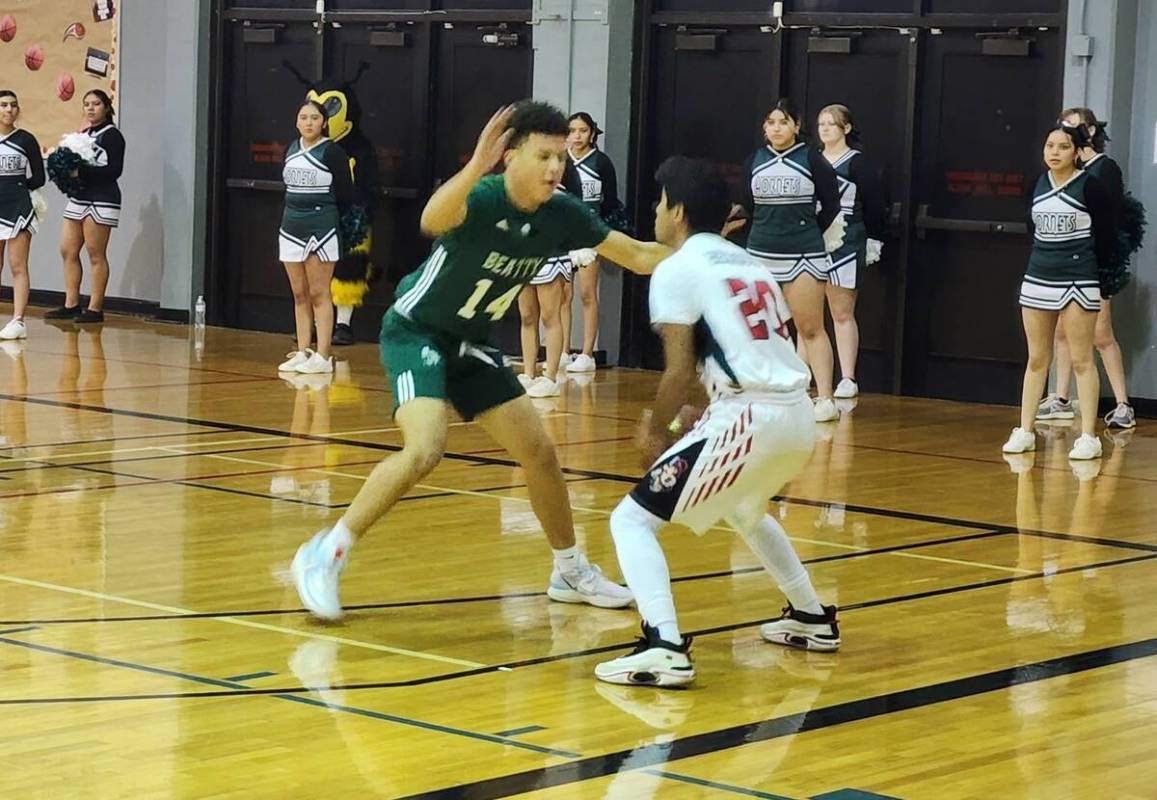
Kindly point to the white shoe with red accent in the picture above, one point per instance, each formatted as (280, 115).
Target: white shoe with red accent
(316, 570)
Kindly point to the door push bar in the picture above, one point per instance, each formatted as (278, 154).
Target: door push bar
(926, 223)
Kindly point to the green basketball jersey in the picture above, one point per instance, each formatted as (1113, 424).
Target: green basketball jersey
(784, 196)
(475, 272)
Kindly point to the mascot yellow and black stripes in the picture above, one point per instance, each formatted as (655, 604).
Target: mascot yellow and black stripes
(354, 271)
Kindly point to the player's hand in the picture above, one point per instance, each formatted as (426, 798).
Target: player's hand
(649, 443)
(735, 221)
(493, 140)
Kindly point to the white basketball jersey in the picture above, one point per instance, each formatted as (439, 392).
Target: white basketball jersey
(739, 314)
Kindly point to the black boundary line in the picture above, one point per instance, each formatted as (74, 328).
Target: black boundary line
(700, 744)
(103, 441)
(43, 466)
(514, 665)
(103, 389)
(492, 597)
(595, 474)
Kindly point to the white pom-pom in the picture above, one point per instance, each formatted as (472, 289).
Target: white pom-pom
(82, 144)
(875, 248)
(834, 235)
(39, 204)
(582, 257)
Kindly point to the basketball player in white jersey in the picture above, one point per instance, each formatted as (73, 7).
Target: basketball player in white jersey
(720, 314)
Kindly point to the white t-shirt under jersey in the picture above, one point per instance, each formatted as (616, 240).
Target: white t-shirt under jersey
(739, 314)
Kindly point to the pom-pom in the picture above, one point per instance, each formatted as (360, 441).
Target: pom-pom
(62, 167)
(39, 204)
(82, 144)
(1114, 275)
(355, 224)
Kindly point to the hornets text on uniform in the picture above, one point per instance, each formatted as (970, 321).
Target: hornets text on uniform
(318, 184)
(862, 204)
(1073, 225)
(21, 172)
(787, 230)
(99, 196)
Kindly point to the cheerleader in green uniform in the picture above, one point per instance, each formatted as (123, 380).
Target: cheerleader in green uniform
(317, 185)
(21, 172)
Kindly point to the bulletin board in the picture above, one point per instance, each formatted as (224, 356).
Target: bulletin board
(52, 52)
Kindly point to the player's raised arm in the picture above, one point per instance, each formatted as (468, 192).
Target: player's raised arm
(639, 257)
(446, 208)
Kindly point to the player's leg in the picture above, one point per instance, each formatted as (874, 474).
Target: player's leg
(96, 238)
(588, 281)
(528, 313)
(518, 429)
(1079, 327)
(1106, 343)
(302, 314)
(842, 303)
(17, 253)
(416, 365)
(662, 656)
(805, 298)
(71, 243)
(1039, 329)
(566, 318)
(549, 302)
(319, 274)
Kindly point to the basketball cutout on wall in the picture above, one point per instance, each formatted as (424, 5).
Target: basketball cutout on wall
(57, 51)
(65, 87)
(34, 57)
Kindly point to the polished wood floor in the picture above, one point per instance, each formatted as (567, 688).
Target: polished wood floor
(999, 620)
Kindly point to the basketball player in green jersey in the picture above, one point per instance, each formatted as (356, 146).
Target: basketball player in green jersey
(493, 233)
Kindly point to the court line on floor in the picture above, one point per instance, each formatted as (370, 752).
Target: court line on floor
(102, 389)
(492, 597)
(310, 701)
(512, 667)
(108, 439)
(112, 598)
(610, 476)
(885, 705)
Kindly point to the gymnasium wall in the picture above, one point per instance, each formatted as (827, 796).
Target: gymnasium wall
(156, 252)
(1118, 80)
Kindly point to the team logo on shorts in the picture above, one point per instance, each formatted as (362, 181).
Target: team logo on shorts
(430, 356)
(665, 476)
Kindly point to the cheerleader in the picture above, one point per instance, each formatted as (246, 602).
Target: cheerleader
(21, 173)
(544, 299)
(1105, 170)
(1072, 215)
(593, 179)
(317, 185)
(862, 205)
(788, 181)
(92, 212)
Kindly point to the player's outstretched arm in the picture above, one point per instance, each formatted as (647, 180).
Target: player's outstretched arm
(675, 387)
(446, 208)
(639, 257)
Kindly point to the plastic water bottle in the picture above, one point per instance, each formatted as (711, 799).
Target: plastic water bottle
(199, 328)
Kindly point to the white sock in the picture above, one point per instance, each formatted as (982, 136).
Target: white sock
(768, 540)
(644, 566)
(569, 560)
(344, 314)
(341, 537)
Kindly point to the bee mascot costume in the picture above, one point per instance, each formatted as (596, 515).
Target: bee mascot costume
(354, 271)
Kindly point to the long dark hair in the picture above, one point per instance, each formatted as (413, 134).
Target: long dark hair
(589, 121)
(790, 110)
(106, 101)
(1090, 119)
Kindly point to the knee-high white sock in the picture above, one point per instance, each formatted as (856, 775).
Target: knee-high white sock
(768, 540)
(344, 314)
(644, 566)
